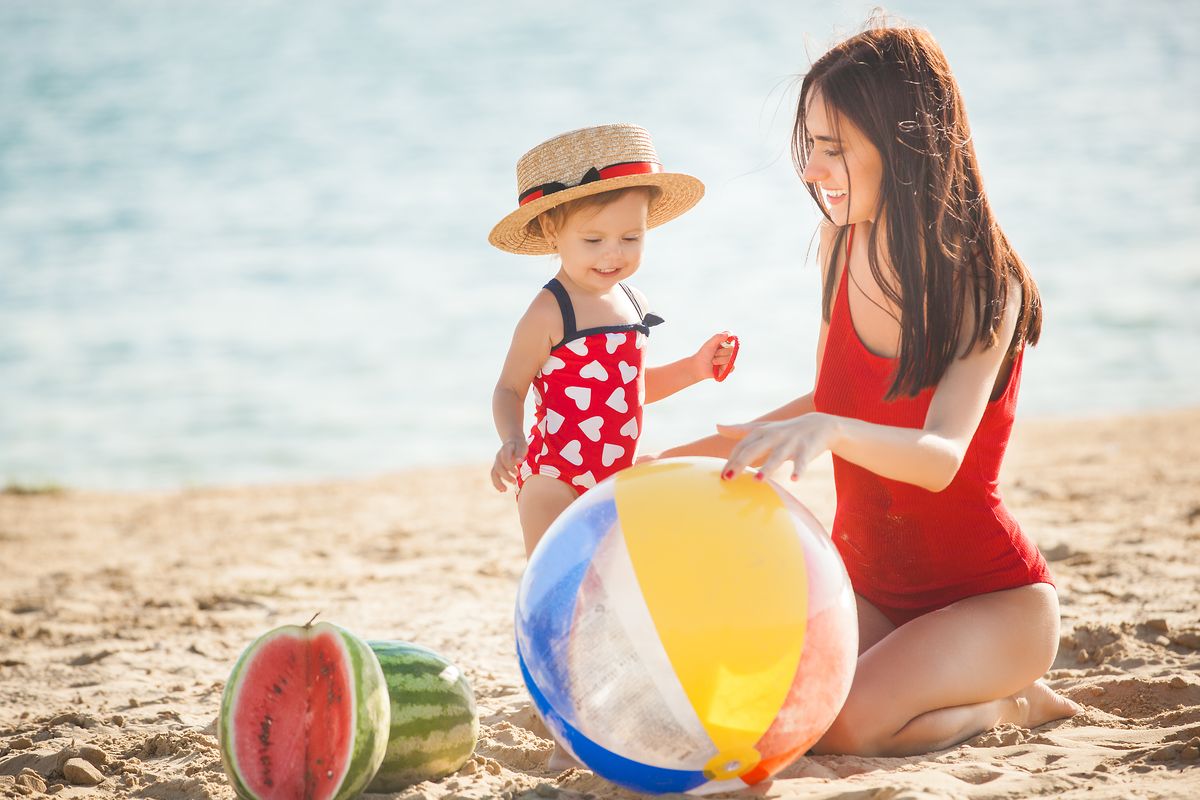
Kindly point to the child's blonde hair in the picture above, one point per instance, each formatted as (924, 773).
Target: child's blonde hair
(557, 216)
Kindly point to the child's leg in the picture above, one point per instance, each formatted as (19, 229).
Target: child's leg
(954, 673)
(541, 500)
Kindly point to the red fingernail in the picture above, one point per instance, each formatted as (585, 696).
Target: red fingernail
(727, 474)
(795, 477)
(758, 476)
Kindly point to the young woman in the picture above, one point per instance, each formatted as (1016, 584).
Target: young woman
(926, 315)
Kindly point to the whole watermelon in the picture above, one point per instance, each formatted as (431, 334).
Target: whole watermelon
(434, 724)
(304, 715)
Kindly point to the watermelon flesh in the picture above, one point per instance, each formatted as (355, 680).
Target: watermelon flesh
(304, 716)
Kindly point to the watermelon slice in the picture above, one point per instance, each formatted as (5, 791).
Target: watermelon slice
(305, 715)
(434, 722)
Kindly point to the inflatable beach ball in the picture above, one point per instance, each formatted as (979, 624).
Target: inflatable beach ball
(680, 633)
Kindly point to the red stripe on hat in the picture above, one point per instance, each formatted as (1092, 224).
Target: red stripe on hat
(612, 171)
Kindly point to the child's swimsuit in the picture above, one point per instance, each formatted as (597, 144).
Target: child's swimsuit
(908, 550)
(588, 399)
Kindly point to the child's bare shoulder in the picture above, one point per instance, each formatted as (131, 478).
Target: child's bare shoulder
(543, 315)
(640, 296)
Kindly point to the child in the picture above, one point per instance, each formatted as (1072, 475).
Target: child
(589, 196)
(927, 312)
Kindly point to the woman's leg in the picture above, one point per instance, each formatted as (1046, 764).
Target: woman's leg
(541, 500)
(872, 624)
(953, 673)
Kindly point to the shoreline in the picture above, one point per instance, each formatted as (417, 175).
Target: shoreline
(121, 613)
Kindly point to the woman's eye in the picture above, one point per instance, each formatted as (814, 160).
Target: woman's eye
(632, 238)
(592, 241)
(833, 153)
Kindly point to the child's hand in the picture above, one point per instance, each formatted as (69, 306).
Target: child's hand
(715, 357)
(508, 460)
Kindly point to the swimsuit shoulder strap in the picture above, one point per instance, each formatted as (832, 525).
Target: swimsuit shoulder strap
(636, 305)
(564, 306)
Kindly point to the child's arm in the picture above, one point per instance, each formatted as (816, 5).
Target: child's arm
(535, 333)
(668, 379)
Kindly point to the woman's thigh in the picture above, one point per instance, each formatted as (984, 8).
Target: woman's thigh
(979, 649)
(872, 624)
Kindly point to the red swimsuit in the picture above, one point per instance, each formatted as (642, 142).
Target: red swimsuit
(910, 551)
(588, 400)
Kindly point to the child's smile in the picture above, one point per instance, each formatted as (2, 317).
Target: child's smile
(600, 248)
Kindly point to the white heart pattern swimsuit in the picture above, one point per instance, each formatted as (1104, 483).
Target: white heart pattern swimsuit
(588, 399)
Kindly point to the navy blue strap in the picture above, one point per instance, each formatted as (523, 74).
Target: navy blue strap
(636, 305)
(564, 306)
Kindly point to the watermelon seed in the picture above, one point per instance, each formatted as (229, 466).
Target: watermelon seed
(264, 732)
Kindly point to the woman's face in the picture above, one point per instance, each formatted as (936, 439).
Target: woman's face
(843, 165)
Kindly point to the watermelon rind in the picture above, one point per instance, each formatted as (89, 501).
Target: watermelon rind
(434, 723)
(371, 710)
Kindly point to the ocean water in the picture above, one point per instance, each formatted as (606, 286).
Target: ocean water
(246, 242)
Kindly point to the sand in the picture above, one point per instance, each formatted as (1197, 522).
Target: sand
(121, 615)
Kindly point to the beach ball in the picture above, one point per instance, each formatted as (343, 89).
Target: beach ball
(680, 633)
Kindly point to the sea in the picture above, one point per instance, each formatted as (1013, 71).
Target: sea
(245, 241)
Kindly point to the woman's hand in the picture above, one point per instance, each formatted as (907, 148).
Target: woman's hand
(508, 461)
(798, 440)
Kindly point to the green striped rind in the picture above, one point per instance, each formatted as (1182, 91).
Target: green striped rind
(371, 708)
(372, 715)
(434, 726)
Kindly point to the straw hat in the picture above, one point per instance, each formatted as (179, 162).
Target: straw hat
(585, 162)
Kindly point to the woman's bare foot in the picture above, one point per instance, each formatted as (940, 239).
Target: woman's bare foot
(1041, 704)
(560, 759)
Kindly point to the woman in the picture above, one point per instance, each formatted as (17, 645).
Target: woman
(927, 311)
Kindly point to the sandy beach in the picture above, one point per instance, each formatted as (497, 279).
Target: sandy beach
(121, 615)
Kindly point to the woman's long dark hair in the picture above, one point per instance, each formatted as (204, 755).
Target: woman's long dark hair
(945, 247)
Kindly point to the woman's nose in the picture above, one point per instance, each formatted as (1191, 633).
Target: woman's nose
(814, 172)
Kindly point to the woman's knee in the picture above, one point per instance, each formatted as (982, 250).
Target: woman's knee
(855, 731)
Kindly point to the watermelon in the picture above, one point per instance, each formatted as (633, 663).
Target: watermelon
(434, 725)
(304, 715)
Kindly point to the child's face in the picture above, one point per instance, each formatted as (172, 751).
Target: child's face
(846, 168)
(600, 247)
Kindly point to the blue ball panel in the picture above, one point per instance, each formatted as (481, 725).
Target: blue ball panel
(605, 763)
(546, 605)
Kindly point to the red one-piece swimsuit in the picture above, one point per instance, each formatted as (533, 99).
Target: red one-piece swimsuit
(908, 550)
(588, 399)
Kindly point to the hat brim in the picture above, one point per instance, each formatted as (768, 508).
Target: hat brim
(679, 192)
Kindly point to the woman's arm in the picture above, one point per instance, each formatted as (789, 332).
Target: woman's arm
(721, 445)
(928, 457)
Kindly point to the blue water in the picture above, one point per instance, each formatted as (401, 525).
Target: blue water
(247, 241)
